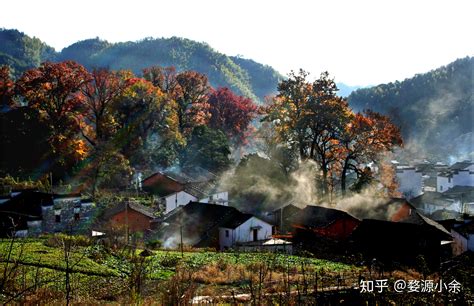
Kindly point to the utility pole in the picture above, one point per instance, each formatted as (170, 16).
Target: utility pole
(181, 232)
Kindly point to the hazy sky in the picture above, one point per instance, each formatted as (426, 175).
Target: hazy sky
(359, 42)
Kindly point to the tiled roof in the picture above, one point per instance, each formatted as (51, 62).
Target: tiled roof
(319, 216)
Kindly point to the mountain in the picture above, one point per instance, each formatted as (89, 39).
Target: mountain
(243, 76)
(22, 52)
(435, 110)
(346, 90)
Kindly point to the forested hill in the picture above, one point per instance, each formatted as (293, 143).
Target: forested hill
(435, 110)
(243, 76)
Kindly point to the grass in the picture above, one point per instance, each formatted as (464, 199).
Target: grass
(36, 253)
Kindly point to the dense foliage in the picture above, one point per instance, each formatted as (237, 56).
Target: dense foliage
(94, 128)
(433, 110)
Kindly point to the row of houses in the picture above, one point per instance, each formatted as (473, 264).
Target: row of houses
(196, 213)
(31, 212)
(421, 177)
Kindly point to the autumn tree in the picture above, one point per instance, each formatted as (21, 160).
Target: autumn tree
(310, 117)
(100, 93)
(53, 89)
(162, 77)
(367, 136)
(148, 121)
(326, 117)
(6, 88)
(191, 97)
(231, 114)
(288, 109)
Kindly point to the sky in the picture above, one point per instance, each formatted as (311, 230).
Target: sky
(360, 43)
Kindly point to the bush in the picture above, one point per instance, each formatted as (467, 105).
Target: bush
(57, 240)
(154, 244)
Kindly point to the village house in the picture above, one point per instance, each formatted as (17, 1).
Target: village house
(429, 171)
(281, 217)
(458, 174)
(30, 213)
(130, 215)
(410, 182)
(323, 221)
(210, 225)
(178, 189)
(458, 200)
(463, 237)
(396, 232)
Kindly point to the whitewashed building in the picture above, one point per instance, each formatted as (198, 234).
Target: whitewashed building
(463, 238)
(410, 182)
(183, 197)
(244, 229)
(459, 174)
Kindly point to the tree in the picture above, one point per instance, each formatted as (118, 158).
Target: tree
(147, 121)
(366, 137)
(6, 88)
(162, 77)
(191, 97)
(207, 148)
(310, 118)
(231, 114)
(326, 117)
(100, 93)
(288, 109)
(54, 90)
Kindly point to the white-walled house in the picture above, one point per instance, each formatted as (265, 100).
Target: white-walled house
(210, 225)
(247, 228)
(220, 198)
(459, 174)
(177, 199)
(183, 197)
(458, 200)
(410, 181)
(463, 238)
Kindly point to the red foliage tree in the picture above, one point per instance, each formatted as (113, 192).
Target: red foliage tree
(54, 89)
(231, 114)
(191, 96)
(6, 87)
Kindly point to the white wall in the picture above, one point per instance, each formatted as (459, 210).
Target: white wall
(429, 208)
(443, 183)
(463, 178)
(180, 198)
(244, 233)
(221, 198)
(410, 182)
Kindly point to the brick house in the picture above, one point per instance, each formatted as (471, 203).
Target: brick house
(129, 214)
(30, 213)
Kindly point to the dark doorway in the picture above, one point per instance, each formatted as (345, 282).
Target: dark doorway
(255, 234)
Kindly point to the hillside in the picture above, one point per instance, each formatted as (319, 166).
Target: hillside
(22, 52)
(243, 76)
(435, 110)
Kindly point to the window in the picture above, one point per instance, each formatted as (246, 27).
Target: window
(77, 211)
(227, 233)
(57, 215)
(441, 188)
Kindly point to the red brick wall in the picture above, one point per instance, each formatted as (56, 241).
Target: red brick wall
(137, 222)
